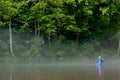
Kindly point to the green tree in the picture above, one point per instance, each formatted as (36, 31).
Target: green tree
(9, 10)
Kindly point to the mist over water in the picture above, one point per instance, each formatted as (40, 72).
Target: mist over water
(38, 60)
(59, 39)
(30, 49)
(62, 71)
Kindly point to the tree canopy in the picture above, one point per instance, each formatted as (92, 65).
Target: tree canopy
(88, 26)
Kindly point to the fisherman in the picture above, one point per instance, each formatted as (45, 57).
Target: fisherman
(100, 65)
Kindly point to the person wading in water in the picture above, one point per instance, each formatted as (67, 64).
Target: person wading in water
(100, 65)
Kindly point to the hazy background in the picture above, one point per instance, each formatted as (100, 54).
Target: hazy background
(33, 31)
(27, 50)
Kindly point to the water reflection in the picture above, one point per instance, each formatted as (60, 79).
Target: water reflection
(81, 72)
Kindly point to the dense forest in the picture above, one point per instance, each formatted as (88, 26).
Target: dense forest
(58, 30)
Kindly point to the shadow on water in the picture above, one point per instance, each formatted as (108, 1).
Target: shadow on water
(59, 72)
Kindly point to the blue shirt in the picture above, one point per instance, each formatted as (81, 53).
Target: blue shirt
(100, 61)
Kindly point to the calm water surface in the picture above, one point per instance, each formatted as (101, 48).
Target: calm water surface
(79, 72)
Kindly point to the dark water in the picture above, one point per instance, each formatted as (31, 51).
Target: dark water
(79, 72)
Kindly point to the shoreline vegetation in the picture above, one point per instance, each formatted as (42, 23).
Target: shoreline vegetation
(34, 31)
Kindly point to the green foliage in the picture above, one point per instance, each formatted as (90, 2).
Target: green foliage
(58, 22)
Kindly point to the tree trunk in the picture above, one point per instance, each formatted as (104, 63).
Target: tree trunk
(49, 39)
(77, 41)
(118, 47)
(11, 45)
(35, 31)
(11, 49)
(38, 33)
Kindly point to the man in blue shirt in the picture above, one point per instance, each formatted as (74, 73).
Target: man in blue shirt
(100, 64)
